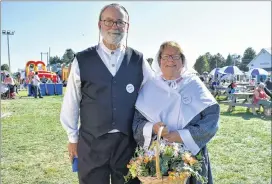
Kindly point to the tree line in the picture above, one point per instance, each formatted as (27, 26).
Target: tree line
(67, 58)
(207, 62)
(204, 63)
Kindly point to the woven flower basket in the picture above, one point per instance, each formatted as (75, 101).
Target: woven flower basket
(163, 180)
(158, 179)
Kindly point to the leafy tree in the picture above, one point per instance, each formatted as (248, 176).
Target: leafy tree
(201, 65)
(229, 60)
(217, 61)
(5, 67)
(68, 56)
(54, 60)
(249, 54)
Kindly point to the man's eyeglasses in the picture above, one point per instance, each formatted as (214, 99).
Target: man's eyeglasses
(110, 23)
(175, 57)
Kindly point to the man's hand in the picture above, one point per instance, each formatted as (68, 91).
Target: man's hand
(157, 126)
(173, 137)
(72, 149)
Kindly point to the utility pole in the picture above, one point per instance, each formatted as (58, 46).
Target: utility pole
(49, 57)
(8, 33)
(46, 57)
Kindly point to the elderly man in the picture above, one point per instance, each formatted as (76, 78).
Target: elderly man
(103, 87)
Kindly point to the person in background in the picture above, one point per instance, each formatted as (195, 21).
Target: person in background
(30, 82)
(231, 89)
(49, 81)
(268, 87)
(260, 97)
(261, 79)
(9, 81)
(36, 84)
(215, 84)
(268, 84)
(43, 79)
(252, 82)
(58, 79)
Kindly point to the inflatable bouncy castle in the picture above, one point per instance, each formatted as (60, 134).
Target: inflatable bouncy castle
(39, 66)
(47, 88)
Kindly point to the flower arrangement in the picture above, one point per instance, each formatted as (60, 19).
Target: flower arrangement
(176, 164)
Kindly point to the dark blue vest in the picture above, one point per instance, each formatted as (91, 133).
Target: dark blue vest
(106, 103)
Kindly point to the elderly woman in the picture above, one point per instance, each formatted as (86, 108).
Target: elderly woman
(179, 101)
(260, 97)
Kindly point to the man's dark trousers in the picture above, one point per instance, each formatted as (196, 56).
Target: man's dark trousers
(104, 158)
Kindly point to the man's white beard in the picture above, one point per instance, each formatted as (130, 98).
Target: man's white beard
(114, 37)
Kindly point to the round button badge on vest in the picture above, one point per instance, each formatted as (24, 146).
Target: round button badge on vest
(130, 88)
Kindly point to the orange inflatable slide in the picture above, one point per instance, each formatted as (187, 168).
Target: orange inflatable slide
(39, 66)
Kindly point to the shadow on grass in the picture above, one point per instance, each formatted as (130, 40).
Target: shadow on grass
(246, 115)
(44, 182)
(32, 97)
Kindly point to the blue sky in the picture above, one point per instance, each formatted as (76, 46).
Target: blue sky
(199, 27)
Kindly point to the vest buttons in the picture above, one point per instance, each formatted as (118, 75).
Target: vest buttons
(114, 109)
(113, 123)
(114, 82)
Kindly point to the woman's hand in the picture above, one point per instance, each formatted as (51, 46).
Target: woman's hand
(173, 137)
(157, 126)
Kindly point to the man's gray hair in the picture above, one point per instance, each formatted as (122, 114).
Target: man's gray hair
(116, 5)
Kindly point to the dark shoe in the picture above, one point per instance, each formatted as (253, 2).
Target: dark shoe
(40, 97)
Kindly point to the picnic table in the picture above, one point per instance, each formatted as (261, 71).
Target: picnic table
(244, 99)
(243, 83)
(250, 87)
(220, 91)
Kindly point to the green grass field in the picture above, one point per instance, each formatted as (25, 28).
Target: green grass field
(34, 145)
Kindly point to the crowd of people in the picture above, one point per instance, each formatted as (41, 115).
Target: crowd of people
(262, 90)
(11, 85)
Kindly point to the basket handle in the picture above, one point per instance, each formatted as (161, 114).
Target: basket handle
(158, 170)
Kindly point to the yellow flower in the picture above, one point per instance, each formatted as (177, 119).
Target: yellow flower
(184, 175)
(146, 160)
(128, 166)
(186, 157)
(192, 161)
